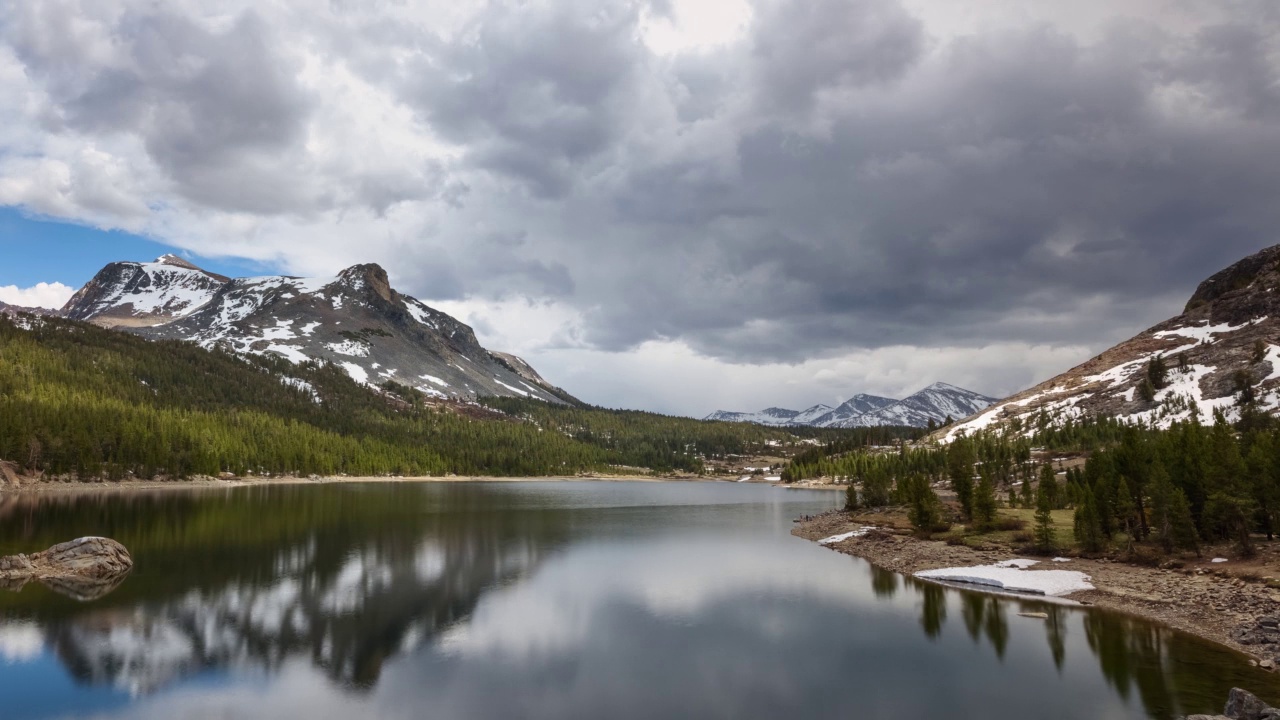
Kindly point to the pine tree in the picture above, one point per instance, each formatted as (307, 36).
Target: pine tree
(1049, 482)
(1124, 510)
(924, 508)
(1183, 527)
(1087, 526)
(984, 500)
(1157, 373)
(960, 461)
(1028, 493)
(1044, 522)
(1146, 390)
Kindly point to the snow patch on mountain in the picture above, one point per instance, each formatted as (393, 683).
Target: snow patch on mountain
(936, 403)
(353, 348)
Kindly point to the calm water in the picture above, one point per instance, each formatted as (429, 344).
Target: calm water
(547, 600)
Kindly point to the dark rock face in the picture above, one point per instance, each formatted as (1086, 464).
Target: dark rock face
(84, 568)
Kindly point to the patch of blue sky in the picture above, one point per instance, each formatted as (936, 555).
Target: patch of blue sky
(35, 249)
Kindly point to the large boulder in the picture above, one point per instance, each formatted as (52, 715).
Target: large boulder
(84, 568)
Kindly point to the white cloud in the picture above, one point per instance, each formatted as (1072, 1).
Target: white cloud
(41, 295)
(20, 642)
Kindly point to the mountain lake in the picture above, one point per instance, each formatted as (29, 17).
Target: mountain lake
(547, 600)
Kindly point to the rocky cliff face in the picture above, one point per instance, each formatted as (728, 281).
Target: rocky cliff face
(1227, 338)
(355, 320)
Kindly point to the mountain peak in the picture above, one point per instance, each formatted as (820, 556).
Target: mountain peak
(355, 321)
(369, 275)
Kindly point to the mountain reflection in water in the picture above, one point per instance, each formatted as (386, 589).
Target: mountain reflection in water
(548, 600)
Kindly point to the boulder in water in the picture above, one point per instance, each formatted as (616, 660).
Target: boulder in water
(84, 568)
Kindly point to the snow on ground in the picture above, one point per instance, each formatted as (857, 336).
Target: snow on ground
(1205, 332)
(516, 390)
(291, 353)
(1014, 578)
(356, 372)
(310, 328)
(1218, 560)
(352, 348)
(419, 313)
(282, 331)
(845, 536)
(1018, 563)
(434, 379)
(1273, 358)
(302, 385)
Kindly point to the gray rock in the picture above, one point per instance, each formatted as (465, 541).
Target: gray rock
(86, 557)
(1244, 705)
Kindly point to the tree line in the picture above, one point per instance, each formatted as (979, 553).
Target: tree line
(76, 399)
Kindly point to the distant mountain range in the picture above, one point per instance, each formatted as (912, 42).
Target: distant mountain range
(1226, 343)
(936, 402)
(354, 320)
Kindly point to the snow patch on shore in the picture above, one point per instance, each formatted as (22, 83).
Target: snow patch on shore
(1012, 576)
(845, 536)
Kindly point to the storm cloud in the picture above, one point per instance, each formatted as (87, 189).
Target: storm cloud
(814, 182)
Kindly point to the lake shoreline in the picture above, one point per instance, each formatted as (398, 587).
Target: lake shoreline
(1210, 604)
(42, 487)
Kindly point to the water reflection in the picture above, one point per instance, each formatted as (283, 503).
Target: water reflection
(565, 600)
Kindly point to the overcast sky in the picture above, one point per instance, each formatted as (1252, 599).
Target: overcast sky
(679, 205)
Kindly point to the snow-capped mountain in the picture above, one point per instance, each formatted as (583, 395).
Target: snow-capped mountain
(1227, 338)
(354, 320)
(857, 405)
(936, 402)
(773, 417)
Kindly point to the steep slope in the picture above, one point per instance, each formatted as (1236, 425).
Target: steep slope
(1224, 342)
(857, 405)
(355, 320)
(132, 294)
(936, 402)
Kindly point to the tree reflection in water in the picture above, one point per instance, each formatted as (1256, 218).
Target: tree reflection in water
(343, 579)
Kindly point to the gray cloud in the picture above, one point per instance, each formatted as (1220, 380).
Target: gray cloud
(840, 177)
(216, 110)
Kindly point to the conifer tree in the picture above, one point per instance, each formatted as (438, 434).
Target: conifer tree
(1125, 509)
(924, 508)
(1028, 493)
(1044, 522)
(1087, 526)
(984, 499)
(960, 461)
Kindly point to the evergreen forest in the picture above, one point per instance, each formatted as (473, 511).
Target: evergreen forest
(79, 400)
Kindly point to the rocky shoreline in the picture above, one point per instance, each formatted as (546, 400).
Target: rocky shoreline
(1238, 612)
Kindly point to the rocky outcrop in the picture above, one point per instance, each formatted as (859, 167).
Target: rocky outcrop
(1242, 705)
(84, 568)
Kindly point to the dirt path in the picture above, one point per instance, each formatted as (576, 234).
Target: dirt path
(1206, 599)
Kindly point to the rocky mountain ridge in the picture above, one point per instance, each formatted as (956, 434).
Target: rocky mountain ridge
(354, 320)
(1222, 349)
(937, 402)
